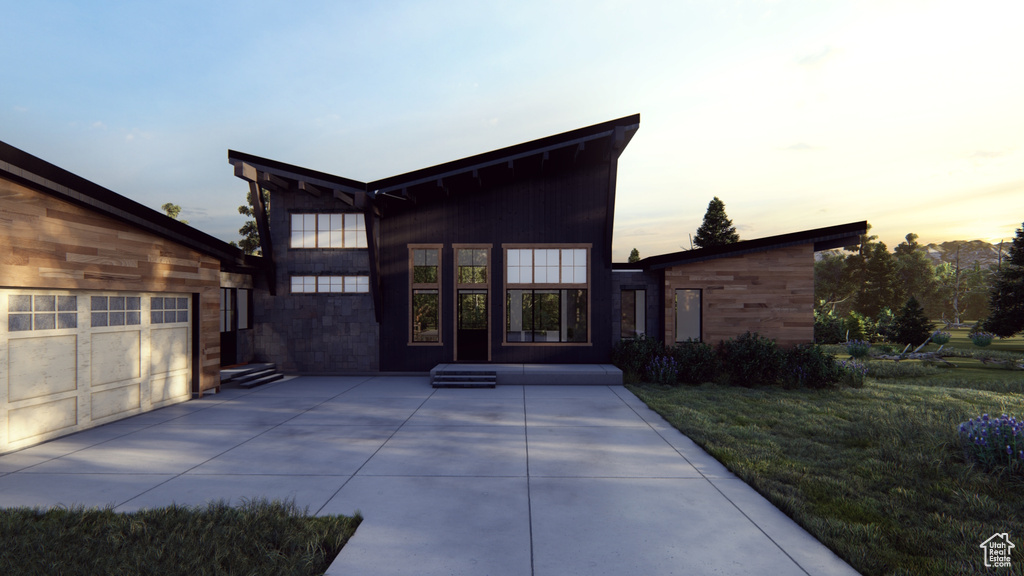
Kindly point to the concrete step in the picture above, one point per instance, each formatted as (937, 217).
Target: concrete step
(239, 372)
(259, 379)
(464, 379)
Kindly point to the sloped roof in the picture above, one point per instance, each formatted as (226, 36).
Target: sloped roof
(35, 173)
(822, 238)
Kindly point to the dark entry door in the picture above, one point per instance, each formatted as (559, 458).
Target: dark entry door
(472, 326)
(228, 328)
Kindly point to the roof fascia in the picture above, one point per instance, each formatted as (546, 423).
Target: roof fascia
(297, 173)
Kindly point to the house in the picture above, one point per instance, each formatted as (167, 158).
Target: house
(502, 257)
(107, 308)
(713, 294)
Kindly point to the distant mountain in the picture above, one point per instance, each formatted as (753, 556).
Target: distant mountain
(971, 251)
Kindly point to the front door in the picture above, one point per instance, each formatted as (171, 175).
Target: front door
(471, 326)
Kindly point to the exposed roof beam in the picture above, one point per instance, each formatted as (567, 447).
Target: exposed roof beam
(310, 188)
(344, 197)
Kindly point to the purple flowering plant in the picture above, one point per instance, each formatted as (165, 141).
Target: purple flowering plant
(858, 348)
(981, 339)
(663, 370)
(994, 443)
(940, 337)
(854, 372)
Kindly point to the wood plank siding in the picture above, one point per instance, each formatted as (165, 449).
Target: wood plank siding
(53, 244)
(769, 292)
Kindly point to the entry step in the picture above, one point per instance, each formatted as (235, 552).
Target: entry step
(250, 375)
(464, 379)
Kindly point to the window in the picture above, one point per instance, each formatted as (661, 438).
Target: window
(425, 294)
(472, 265)
(547, 295)
(165, 310)
(330, 284)
(42, 312)
(116, 310)
(687, 315)
(634, 313)
(244, 308)
(328, 231)
(227, 310)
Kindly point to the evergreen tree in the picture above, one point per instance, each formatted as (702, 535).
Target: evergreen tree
(878, 290)
(634, 256)
(250, 243)
(717, 229)
(1007, 298)
(915, 274)
(911, 326)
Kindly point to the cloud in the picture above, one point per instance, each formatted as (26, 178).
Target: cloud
(21, 109)
(801, 146)
(99, 125)
(819, 58)
(985, 155)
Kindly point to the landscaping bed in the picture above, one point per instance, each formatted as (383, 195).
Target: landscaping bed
(255, 538)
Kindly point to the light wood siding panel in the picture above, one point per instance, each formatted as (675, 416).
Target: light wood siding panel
(49, 243)
(769, 292)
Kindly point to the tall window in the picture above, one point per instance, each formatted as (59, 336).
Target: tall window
(425, 294)
(328, 231)
(687, 315)
(546, 294)
(634, 313)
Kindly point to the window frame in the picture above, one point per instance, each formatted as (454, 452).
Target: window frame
(675, 314)
(639, 304)
(361, 239)
(414, 286)
(546, 286)
(344, 281)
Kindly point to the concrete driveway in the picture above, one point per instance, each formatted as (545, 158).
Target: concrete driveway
(516, 480)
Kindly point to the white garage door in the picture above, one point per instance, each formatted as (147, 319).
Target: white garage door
(70, 360)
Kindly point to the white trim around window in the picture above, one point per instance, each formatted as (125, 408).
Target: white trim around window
(337, 230)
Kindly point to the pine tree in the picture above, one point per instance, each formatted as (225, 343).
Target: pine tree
(717, 229)
(878, 290)
(1007, 298)
(634, 256)
(911, 326)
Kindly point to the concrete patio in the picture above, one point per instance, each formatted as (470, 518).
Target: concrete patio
(516, 480)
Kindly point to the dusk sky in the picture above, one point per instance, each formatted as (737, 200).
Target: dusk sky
(797, 114)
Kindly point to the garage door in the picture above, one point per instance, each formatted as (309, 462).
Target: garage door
(71, 360)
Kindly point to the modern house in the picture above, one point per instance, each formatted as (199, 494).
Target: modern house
(107, 308)
(503, 257)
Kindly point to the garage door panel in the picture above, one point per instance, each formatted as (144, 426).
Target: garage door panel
(116, 356)
(115, 401)
(41, 366)
(174, 386)
(42, 418)
(169, 350)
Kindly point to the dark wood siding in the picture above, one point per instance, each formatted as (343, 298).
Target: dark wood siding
(531, 203)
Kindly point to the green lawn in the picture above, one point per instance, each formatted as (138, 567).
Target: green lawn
(876, 473)
(256, 538)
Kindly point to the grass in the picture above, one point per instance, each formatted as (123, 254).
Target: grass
(256, 538)
(875, 473)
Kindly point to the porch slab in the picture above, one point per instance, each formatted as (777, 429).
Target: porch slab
(543, 374)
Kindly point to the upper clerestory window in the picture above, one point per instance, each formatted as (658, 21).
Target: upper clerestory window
(328, 231)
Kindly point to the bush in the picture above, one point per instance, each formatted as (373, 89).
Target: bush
(632, 356)
(662, 370)
(858, 326)
(750, 360)
(697, 362)
(994, 443)
(828, 328)
(940, 338)
(853, 373)
(858, 348)
(810, 367)
(981, 339)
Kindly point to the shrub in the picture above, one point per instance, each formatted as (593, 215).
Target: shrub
(662, 369)
(697, 362)
(750, 360)
(940, 338)
(858, 326)
(828, 328)
(911, 326)
(853, 373)
(994, 443)
(632, 356)
(858, 348)
(981, 339)
(810, 367)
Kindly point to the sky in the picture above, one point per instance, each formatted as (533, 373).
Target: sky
(797, 114)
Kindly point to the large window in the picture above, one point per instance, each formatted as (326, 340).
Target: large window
(328, 231)
(547, 294)
(634, 313)
(330, 284)
(687, 315)
(425, 294)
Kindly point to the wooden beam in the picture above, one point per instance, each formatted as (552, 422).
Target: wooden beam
(338, 194)
(246, 171)
(371, 250)
(276, 181)
(310, 188)
(263, 226)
